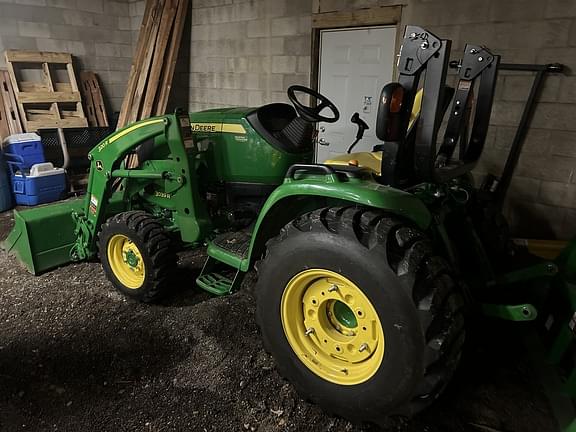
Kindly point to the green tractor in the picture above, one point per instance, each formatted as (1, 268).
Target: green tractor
(365, 263)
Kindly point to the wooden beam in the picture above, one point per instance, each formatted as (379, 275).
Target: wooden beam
(146, 64)
(143, 37)
(171, 58)
(384, 15)
(4, 124)
(48, 81)
(48, 97)
(22, 56)
(62, 123)
(10, 105)
(166, 24)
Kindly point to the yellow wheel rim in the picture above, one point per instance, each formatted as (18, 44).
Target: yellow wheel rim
(332, 327)
(126, 261)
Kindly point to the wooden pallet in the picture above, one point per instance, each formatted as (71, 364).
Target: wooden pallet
(154, 62)
(46, 90)
(92, 97)
(9, 116)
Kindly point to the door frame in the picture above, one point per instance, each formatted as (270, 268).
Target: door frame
(341, 20)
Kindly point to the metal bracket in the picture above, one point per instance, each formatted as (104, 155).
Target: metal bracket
(476, 59)
(418, 47)
(521, 312)
(544, 269)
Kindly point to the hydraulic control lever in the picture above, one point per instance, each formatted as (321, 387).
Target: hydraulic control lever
(362, 126)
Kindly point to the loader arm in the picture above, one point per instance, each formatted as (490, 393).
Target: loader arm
(173, 174)
(53, 235)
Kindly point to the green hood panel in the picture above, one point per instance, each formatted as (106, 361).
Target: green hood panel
(232, 151)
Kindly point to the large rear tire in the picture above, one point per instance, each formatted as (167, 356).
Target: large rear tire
(136, 255)
(359, 314)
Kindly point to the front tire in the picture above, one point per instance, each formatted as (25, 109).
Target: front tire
(136, 255)
(400, 330)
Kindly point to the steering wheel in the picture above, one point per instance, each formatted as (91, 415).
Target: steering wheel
(312, 114)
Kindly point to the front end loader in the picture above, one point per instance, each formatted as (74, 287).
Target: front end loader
(366, 263)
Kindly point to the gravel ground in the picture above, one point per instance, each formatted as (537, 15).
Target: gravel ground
(75, 355)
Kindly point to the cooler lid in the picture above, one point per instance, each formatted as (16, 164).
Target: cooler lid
(21, 138)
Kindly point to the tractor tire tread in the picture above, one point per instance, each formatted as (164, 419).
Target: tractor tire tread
(433, 289)
(157, 246)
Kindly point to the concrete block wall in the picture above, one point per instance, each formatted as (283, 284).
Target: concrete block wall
(246, 52)
(98, 33)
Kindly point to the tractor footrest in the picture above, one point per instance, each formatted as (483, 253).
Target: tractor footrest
(215, 283)
(218, 278)
(235, 243)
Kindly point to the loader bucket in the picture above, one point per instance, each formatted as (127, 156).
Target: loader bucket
(43, 237)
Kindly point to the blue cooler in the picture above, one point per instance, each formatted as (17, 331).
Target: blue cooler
(42, 184)
(27, 147)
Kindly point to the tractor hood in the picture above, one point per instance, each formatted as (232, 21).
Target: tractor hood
(234, 152)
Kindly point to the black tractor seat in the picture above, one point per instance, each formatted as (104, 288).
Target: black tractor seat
(280, 126)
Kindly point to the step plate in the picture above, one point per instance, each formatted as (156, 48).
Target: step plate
(215, 283)
(236, 243)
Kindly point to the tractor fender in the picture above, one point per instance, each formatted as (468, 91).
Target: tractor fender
(296, 197)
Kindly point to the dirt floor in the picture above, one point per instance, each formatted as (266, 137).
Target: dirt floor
(77, 356)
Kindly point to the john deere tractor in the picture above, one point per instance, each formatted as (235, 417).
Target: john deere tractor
(362, 261)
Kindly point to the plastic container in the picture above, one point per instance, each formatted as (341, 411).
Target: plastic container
(28, 146)
(42, 184)
(6, 199)
(69, 147)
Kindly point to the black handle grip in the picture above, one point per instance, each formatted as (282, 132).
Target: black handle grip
(357, 120)
(555, 67)
(310, 168)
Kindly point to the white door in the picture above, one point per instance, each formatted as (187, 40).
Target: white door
(354, 66)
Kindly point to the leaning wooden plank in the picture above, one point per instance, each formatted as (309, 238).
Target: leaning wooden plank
(16, 90)
(136, 63)
(4, 125)
(171, 58)
(99, 107)
(22, 56)
(149, 35)
(146, 64)
(87, 97)
(10, 105)
(164, 31)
